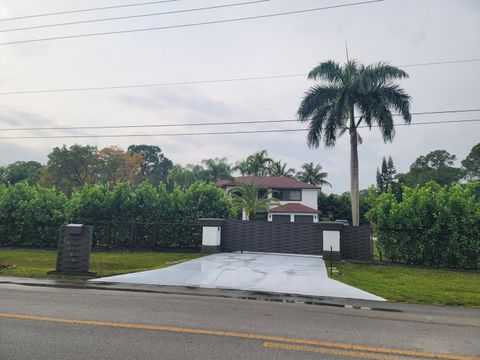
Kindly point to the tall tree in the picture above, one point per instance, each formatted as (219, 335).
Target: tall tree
(117, 165)
(438, 166)
(471, 163)
(22, 170)
(68, 168)
(242, 167)
(386, 177)
(217, 169)
(155, 166)
(258, 163)
(348, 97)
(313, 174)
(277, 168)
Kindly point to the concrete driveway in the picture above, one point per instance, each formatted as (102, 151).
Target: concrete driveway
(279, 273)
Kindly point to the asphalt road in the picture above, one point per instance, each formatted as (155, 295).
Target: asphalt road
(54, 323)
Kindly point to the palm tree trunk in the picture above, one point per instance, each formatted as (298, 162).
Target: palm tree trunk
(354, 186)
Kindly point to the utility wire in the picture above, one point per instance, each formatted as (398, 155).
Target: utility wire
(86, 10)
(134, 16)
(207, 123)
(213, 133)
(192, 24)
(199, 82)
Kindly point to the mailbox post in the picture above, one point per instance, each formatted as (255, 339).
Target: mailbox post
(74, 247)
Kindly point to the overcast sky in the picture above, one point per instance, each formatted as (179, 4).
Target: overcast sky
(399, 31)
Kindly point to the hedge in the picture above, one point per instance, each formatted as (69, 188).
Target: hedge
(430, 225)
(30, 215)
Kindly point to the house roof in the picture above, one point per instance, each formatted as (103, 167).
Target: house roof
(268, 182)
(293, 208)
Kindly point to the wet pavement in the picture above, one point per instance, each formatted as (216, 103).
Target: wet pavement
(278, 273)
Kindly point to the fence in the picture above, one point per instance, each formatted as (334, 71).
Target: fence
(296, 238)
(159, 236)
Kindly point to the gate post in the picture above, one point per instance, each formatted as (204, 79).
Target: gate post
(211, 235)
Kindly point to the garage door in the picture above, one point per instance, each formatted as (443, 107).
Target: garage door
(304, 218)
(281, 218)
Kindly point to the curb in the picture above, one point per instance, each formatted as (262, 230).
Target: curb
(346, 303)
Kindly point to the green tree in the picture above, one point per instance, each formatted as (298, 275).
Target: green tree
(471, 163)
(247, 198)
(185, 176)
(386, 177)
(350, 96)
(155, 167)
(70, 168)
(21, 170)
(313, 174)
(436, 166)
(259, 163)
(278, 169)
(217, 169)
(242, 167)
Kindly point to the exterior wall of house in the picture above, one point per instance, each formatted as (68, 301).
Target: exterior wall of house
(309, 198)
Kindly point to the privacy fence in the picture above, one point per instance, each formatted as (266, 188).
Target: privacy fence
(294, 238)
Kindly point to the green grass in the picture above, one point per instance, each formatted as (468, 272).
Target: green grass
(413, 285)
(37, 263)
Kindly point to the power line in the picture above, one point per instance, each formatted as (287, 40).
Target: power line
(86, 10)
(134, 16)
(207, 123)
(191, 24)
(212, 133)
(199, 82)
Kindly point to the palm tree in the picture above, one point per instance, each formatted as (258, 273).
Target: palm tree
(369, 92)
(217, 169)
(242, 167)
(279, 169)
(313, 174)
(246, 198)
(258, 163)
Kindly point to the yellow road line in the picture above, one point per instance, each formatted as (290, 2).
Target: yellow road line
(267, 338)
(355, 354)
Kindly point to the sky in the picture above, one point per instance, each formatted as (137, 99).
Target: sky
(402, 32)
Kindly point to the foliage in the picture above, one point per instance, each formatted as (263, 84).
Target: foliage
(30, 215)
(155, 166)
(338, 207)
(276, 168)
(385, 177)
(115, 165)
(19, 171)
(436, 166)
(431, 225)
(216, 169)
(247, 198)
(471, 163)
(313, 174)
(330, 107)
(69, 168)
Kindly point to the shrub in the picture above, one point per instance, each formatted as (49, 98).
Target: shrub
(430, 225)
(30, 216)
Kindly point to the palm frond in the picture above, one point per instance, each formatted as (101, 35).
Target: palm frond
(329, 71)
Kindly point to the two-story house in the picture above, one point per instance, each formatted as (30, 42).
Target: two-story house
(298, 200)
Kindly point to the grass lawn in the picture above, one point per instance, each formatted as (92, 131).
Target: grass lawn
(413, 285)
(37, 263)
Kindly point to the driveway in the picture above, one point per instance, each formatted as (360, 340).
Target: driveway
(279, 273)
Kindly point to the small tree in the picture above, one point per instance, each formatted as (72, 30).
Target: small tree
(247, 198)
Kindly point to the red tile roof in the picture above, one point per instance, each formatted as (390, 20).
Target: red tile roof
(268, 182)
(293, 208)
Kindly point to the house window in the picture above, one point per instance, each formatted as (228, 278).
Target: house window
(288, 195)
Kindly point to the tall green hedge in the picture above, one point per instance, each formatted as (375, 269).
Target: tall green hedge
(30, 215)
(430, 225)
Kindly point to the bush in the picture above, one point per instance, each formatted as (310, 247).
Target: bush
(430, 225)
(30, 216)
